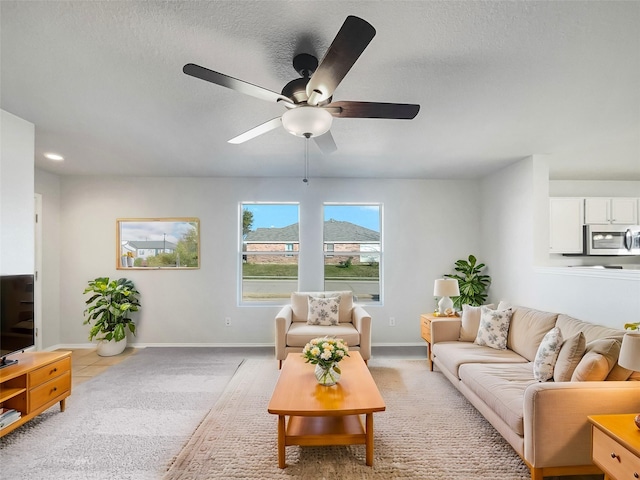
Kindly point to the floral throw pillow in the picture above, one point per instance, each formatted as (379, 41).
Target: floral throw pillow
(323, 311)
(547, 355)
(494, 328)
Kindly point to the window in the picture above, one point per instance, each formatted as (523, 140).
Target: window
(353, 250)
(269, 252)
(288, 248)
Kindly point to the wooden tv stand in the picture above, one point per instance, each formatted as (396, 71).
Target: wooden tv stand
(38, 381)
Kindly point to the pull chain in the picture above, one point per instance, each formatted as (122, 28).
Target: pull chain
(306, 160)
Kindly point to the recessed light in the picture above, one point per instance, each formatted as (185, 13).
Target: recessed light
(54, 156)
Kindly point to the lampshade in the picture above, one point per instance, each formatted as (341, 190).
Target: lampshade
(630, 352)
(446, 287)
(307, 121)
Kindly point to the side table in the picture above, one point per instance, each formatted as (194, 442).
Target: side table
(425, 333)
(615, 445)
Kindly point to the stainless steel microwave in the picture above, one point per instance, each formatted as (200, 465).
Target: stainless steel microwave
(612, 239)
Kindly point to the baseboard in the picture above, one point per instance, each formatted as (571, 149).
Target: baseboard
(74, 346)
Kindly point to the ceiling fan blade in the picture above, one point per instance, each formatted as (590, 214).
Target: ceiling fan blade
(351, 40)
(345, 109)
(233, 83)
(256, 131)
(326, 143)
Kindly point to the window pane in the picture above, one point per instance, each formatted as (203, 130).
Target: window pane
(270, 248)
(269, 278)
(353, 250)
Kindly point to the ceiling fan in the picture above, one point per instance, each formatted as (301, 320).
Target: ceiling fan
(310, 109)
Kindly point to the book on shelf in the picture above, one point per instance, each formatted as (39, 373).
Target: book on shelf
(8, 416)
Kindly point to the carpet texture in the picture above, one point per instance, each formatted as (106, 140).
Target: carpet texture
(126, 423)
(429, 431)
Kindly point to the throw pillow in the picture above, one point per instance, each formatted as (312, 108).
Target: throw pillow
(323, 311)
(470, 322)
(571, 353)
(494, 328)
(592, 368)
(547, 355)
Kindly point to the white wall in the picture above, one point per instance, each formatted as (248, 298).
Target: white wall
(427, 226)
(513, 202)
(16, 195)
(594, 188)
(48, 185)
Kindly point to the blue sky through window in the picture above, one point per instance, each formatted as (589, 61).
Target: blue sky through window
(282, 215)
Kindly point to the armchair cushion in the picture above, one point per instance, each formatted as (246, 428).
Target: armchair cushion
(300, 304)
(301, 333)
(323, 311)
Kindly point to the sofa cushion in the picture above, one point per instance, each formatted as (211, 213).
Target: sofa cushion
(494, 328)
(592, 368)
(571, 353)
(547, 355)
(299, 333)
(451, 355)
(527, 329)
(570, 326)
(470, 321)
(323, 311)
(501, 387)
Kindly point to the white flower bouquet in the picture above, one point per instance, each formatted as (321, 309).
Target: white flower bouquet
(325, 352)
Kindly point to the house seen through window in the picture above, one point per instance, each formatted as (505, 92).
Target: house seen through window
(353, 250)
(269, 257)
(270, 247)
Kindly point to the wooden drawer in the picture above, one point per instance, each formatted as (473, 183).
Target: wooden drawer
(425, 328)
(613, 458)
(46, 392)
(46, 373)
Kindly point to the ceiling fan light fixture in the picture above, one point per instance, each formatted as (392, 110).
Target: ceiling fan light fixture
(307, 121)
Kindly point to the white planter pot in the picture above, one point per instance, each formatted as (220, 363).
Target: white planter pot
(109, 349)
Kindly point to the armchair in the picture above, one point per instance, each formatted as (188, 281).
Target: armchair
(293, 331)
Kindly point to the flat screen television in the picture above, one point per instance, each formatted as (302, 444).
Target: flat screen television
(17, 331)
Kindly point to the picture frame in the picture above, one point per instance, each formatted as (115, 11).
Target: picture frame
(158, 243)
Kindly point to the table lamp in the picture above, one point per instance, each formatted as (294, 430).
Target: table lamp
(445, 288)
(630, 356)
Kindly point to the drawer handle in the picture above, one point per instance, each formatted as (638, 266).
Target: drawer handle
(54, 370)
(55, 389)
(635, 475)
(613, 455)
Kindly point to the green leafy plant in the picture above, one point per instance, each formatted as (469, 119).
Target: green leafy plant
(109, 308)
(472, 283)
(632, 326)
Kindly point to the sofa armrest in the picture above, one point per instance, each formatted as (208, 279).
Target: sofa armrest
(556, 429)
(445, 330)
(362, 322)
(283, 322)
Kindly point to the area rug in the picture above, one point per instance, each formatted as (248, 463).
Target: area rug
(125, 423)
(428, 431)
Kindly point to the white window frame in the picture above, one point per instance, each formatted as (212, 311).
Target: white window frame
(242, 254)
(333, 253)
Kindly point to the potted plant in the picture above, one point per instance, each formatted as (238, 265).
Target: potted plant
(472, 283)
(108, 311)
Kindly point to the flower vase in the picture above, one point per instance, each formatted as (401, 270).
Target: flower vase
(327, 376)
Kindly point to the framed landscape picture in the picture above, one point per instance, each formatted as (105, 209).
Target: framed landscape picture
(157, 243)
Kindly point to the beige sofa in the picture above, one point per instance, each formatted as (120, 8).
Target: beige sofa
(293, 332)
(545, 422)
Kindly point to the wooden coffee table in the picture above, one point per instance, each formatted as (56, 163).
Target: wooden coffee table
(320, 415)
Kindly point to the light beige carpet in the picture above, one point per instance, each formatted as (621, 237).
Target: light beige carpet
(429, 431)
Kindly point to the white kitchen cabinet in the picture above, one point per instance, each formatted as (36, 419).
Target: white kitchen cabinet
(617, 210)
(566, 216)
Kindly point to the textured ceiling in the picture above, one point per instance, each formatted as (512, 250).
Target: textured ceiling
(496, 81)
